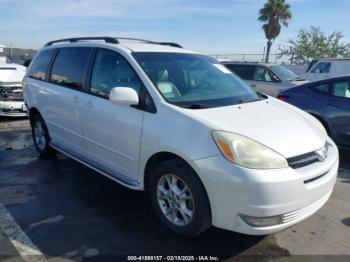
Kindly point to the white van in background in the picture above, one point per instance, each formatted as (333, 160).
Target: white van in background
(326, 68)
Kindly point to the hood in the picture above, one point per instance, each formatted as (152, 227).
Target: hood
(273, 123)
(12, 73)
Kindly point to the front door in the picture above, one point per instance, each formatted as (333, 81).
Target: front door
(263, 81)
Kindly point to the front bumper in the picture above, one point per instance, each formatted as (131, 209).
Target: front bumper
(13, 108)
(292, 194)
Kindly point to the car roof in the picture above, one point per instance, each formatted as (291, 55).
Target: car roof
(335, 78)
(145, 47)
(333, 59)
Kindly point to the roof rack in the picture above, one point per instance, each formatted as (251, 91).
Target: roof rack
(107, 39)
(111, 40)
(150, 42)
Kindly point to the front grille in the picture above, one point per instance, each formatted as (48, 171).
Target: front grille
(11, 93)
(302, 160)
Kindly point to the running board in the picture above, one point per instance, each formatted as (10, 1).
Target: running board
(107, 172)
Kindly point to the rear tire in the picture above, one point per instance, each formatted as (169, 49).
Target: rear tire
(179, 199)
(41, 137)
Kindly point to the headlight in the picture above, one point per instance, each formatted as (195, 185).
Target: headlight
(247, 152)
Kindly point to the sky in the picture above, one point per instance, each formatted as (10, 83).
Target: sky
(208, 26)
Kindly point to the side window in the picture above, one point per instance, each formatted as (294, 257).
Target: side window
(341, 89)
(322, 88)
(69, 67)
(112, 70)
(40, 65)
(263, 74)
(243, 71)
(322, 68)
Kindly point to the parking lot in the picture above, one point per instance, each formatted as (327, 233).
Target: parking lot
(59, 209)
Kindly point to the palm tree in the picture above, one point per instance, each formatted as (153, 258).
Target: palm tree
(273, 13)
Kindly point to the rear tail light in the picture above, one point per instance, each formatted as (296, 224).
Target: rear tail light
(282, 97)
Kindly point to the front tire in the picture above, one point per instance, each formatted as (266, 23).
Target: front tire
(41, 137)
(179, 199)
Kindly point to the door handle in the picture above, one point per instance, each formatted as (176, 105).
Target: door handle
(89, 104)
(76, 99)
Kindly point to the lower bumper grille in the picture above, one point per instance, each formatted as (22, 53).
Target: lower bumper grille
(306, 211)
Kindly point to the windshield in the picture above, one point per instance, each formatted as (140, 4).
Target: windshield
(284, 73)
(194, 81)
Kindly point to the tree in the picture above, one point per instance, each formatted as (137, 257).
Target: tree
(273, 14)
(312, 44)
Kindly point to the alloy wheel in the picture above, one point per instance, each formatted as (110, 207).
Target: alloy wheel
(175, 200)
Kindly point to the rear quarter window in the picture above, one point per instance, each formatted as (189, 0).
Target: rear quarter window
(40, 65)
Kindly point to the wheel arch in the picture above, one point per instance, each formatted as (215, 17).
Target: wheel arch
(32, 112)
(155, 160)
(159, 157)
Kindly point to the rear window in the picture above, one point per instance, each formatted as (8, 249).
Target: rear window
(40, 65)
(70, 66)
(243, 71)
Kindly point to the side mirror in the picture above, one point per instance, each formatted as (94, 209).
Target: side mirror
(124, 96)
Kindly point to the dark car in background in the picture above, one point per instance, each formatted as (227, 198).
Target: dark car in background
(329, 101)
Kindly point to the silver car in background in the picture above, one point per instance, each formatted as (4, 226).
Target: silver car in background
(269, 79)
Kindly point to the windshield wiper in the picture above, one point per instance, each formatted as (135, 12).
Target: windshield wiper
(197, 106)
(252, 100)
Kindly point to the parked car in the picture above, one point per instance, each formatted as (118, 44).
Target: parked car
(157, 117)
(269, 79)
(329, 101)
(327, 68)
(11, 92)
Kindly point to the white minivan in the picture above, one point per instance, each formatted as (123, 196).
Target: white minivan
(327, 68)
(157, 117)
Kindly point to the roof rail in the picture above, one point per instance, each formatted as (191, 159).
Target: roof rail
(110, 40)
(170, 44)
(150, 42)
